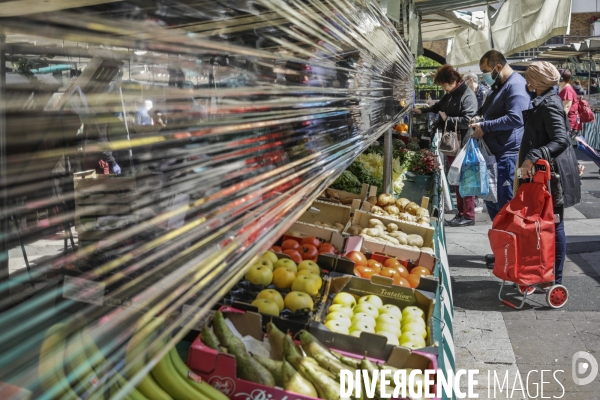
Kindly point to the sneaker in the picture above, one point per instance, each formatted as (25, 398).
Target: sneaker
(454, 220)
(478, 210)
(581, 168)
(464, 222)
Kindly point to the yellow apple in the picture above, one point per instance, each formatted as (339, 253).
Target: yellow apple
(259, 275)
(412, 318)
(392, 338)
(411, 337)
(355, 333)
(387, 327)
(375, 300)
(361, 326)
(286, 263)
(308, 284)
(412, 310)
(415, 328)
(310, 266)
(341, 308)
(366, 318)
(306, 272)
(271, 294)
(269, 255)
(266, 306)
(283, 278)
(388, 319)
(366, 308)
(265, 263)
(345, 299)
(415, 344)
(336, 326)
(390, 309)
(297, 301)
(338, 316)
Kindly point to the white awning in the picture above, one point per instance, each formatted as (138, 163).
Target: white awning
(469, 45)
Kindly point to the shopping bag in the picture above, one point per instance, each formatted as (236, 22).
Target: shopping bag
(473, 175)
(454, 172)
(492, 170)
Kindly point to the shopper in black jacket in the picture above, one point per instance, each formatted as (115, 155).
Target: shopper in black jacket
(547, 128)
(456, 107)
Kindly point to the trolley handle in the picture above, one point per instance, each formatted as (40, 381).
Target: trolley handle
(542, 172)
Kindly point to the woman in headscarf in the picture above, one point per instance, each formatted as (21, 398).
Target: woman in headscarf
(546, 136)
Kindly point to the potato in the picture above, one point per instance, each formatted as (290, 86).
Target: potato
(391, 239)
(424, 221)
(412, 208)
(386, 200)
(415, 240)
(427, 250)
(401, 204)
(339, 227)
(373, 222)
(372, 200)
(392, 210)
(407, 217)
(326, 225)
(392, 227)
(318, 223)
(422, 212)
(377, 210)
(372, 231)
(353, 231)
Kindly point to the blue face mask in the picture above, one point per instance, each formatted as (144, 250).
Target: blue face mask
(488, 79)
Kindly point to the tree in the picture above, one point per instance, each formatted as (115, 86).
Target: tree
(424, 62)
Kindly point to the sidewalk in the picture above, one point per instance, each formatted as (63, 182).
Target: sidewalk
(490, 336)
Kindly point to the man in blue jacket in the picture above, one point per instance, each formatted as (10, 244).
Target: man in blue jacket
(502, 127)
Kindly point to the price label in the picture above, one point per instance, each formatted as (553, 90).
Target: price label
(200, 324)
(83, 290)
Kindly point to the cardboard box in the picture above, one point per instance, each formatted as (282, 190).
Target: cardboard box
(427, 232)
(302, 230)
(322, 211)
(335, 196)
(375, 345)
(219, 369)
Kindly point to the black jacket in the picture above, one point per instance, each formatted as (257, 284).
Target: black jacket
(546, 124)
(460, 104)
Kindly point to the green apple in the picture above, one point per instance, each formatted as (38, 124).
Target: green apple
(388, 319)
(390, 309)
(414, 344)
(286, 263)
(269, 255)
(375, 300)
(309, 266)
(297, 301)
(361, 326)
(308, 284)
(265, 263)
(392, 338)
(387, 327)
(345, 299)
(415, 328)
(272, 294)
(340, 317)
(336, 326)
(366, 308)
(341, 308)
(266, 306)
(259, 275)
(412, 310)
(410, 337)
(355, 333)
(412, 318)
(366, 318)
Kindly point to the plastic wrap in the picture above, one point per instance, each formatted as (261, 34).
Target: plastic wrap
(178, 143)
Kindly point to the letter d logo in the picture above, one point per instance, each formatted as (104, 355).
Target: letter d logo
(580, 367)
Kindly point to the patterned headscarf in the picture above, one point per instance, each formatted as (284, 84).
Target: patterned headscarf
(541, 75)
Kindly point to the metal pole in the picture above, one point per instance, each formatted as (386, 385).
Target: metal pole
(4, 227)
(387, 161)
(589, 74)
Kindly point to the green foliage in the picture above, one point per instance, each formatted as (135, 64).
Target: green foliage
(424, 62)
(348, 183)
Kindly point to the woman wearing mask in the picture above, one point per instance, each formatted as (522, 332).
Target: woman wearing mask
(546, 133)
(456, 107)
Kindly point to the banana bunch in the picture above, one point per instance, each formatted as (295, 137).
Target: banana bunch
(73, 367)
(310, 369)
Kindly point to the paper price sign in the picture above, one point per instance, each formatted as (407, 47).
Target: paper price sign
(83, 290)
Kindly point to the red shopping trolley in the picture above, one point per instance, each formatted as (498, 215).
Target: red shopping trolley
(523, 241)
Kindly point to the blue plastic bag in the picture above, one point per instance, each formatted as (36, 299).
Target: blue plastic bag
(474, 173)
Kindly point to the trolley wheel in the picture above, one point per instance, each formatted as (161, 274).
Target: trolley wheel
(557, 296)
(523, 288)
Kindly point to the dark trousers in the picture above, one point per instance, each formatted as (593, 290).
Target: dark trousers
(465, 205)
(506, 177)
(561, 251)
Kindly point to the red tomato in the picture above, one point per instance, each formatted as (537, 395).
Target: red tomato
(398, 280)
(311, 240)
(308, 251)
(392, 263)
(290, 244)
(357, 257)
(294, 255)
(362, 270)
(413, 280)
(326, 248)
(402, 271)
(276, 249)
(420, 271)
(389, 272)
(376, 265)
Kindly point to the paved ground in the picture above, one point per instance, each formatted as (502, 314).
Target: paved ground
(492, 337)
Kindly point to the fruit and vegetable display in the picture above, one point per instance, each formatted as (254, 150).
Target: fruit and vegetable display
(391, 268)
(73, 367)
(392, 234)
(333, 195)
(401, 209)
(404, 327)
(309, 369)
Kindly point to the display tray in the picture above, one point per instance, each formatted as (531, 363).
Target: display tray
(375, 345)
(324, 212)
(219, 369)
(342, 197)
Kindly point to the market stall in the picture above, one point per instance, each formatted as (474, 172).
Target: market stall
(217, 178)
